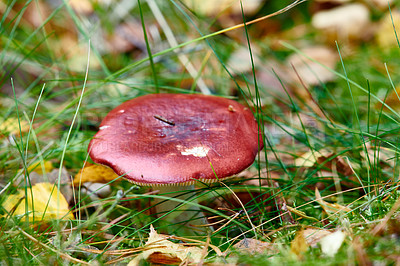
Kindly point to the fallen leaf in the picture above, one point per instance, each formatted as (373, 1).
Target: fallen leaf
(314, 235)
(313, 71)
(254, 246)
(299, 245)
(125, 38)
(48, 203)
(385, 34)
(83, 7)
(37, 167)
(331, 243)
(330, 208)
(240, 61)
(326, 158)
(382, 4)
(95, 173)
(52, 177)
(346, 22)
(159, 250)
(13, 126)
(213, 8)
(310, 158)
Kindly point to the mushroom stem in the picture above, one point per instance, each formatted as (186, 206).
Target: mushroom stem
(186, 214)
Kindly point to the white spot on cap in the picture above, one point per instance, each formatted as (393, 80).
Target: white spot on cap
(121, 111)
(198, 151)
(104, 127)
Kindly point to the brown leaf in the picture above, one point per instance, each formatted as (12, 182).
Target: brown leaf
(212, 8)
(314, 235)
(310, 72)
(330, 208)
(158, 249)
(310, 158)
(254, 246)
(361, 254)
(345, 23)
(326, 158)
(84, 7)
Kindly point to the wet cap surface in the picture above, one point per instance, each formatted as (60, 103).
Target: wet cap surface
(175, 138)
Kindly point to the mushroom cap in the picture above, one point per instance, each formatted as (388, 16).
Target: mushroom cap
(161, 139)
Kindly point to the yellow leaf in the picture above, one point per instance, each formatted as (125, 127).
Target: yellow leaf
(385, 33)
(37, 167)
(48, 203)
(95, 173)
(310, 158)
(159, 250)
(330, 208)
(12, 126)
(299, 245)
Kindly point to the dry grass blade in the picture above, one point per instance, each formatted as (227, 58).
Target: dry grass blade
(225, 224)
(330, 208)
(61, 254)
(244, 209)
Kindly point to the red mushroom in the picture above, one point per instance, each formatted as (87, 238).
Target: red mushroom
(177, 139)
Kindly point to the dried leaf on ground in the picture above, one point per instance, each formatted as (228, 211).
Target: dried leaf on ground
(314, 235)
(53, 176)
(331, 243)
(13, 126)
(159, 250)
(345, 23)
(385, 34)
(254, 246)
(385, 156)
(240, 61)
(299, 245)
(37, 167)
(330, 208)
(382, 4)
(212, 8)
(309, 71)
(48, 203)
(310, 158)
(84, 7)
(326, 158)
(95, 173)
(125, 38)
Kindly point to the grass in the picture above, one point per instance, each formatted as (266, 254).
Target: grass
(62, 73)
